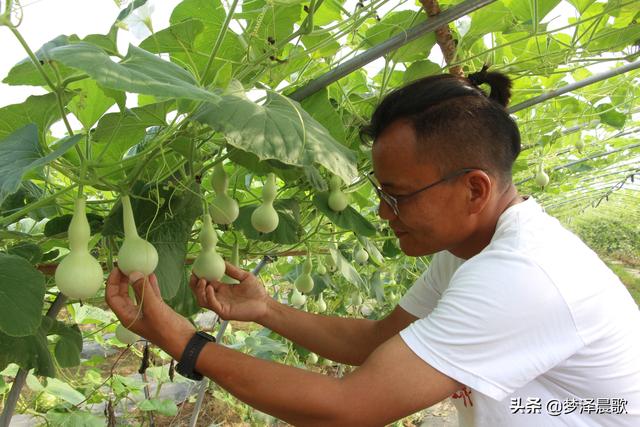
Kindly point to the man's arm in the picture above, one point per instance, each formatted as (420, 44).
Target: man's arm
(391, 384)
(342, 339)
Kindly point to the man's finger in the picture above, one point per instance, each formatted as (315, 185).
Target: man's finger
(235, 272)
(153, 281)
(212, 301)
(199, 292)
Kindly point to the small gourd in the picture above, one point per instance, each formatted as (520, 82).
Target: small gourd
(337, 199)
(542, 179)
(125, 336)
(235, 260)
(297, 299)
(136, 254)
(321, 269)
(321, 305)
(360, 255)
(312, 359)
(224, 209)
(330, 263)
(79, 275)
(304, 282)
(209, 264)
(265, 218)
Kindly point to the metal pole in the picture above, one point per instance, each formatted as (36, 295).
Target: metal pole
(576, 85)
(390, 45)
(204, 383)
(21, 376)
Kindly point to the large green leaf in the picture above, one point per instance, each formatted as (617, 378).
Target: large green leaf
(492, 18)
(166, 407)
(346, 268)
(20, 153)
(69, 345)
(319, 107)
(278, 129)
(90, 102)
(177, 38)
(348, 219)
(25, 73)
(21, 296)
(30, 352)
(41, 110)
(398, 22)
(139, 72)
(64, 391)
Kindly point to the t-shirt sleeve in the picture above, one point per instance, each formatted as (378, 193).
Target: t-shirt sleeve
(500, 324)
(422, 297)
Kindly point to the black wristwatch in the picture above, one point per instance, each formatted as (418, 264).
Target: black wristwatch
(186, 366)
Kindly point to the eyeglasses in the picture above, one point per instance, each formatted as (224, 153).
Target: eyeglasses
(394, 201)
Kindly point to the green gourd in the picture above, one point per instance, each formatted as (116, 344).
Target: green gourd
(321, 269)
(297, 299)
(235, 260)
(337, 199)
(542, 179)
(304, 282)
(136, 254)
(312, 358)
(79, 275)
(320, 304)
(125, 336)
(265, 218)
(208, 265)
(330, 263)
(360, 255)
(224, 209)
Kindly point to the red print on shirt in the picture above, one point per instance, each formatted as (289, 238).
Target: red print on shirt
(465, 394)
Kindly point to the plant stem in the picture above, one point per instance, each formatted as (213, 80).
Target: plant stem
(219, 39)
(42, 202)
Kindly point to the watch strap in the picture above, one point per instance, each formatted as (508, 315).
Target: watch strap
(186, 366)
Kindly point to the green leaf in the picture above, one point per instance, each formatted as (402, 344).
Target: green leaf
(324, 44)
(177, 38)
(420, 69)
(41, 110)
(69, 345)
(581, 5)
(59, 225)
(346, 268)
(526, 10)
(20, 153)
(90, 102)
(494, 18)
(165, 407)
(64, 391)
(398, 22)
(278, 129)
(29, 352)
(21, 296)
(25, 73)
(319, 107)
(614, 39)
(139, 72)
(348, 219)
(27, 250)
(609, 115)
(373, 251)
(75, 419)
(390, 250)
(328, 12)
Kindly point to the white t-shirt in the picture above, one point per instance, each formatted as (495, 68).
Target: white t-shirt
(536, 327)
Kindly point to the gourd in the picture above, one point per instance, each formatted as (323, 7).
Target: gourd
(542, 179)
(136, 254)
(321, 269)
(297, 299)
(208, 265)
(79, 275)
(224, 209)
(360, 255)
(304, 282)
(337, 199)
(312, 359)
(265, 218)
(235, 260)
(330, 263)
(321, 305)
(125, 336)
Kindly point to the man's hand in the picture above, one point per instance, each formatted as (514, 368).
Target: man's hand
(247, 300)
(151, 317)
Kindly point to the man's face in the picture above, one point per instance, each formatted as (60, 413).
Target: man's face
(429, 221)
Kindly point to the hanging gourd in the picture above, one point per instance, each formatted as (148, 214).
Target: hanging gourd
(265, 217)
(542, 179)
(304, 282)
(235, 260)
(320, 304)
(297, 299)
(330, 263)
(360, 255)
(321, 269)
(337, 199)
(136, 254)
(208, 265)
(79, 275)
(224, 209)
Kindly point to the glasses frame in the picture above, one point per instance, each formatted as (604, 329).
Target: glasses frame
(393, 201)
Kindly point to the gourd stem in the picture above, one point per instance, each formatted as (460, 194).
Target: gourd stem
(129, 222)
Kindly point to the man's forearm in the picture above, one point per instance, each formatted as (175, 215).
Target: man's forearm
(344, 340)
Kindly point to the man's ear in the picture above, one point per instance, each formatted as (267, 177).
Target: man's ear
(479, 187)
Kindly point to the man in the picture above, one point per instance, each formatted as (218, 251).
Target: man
(513, 313)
